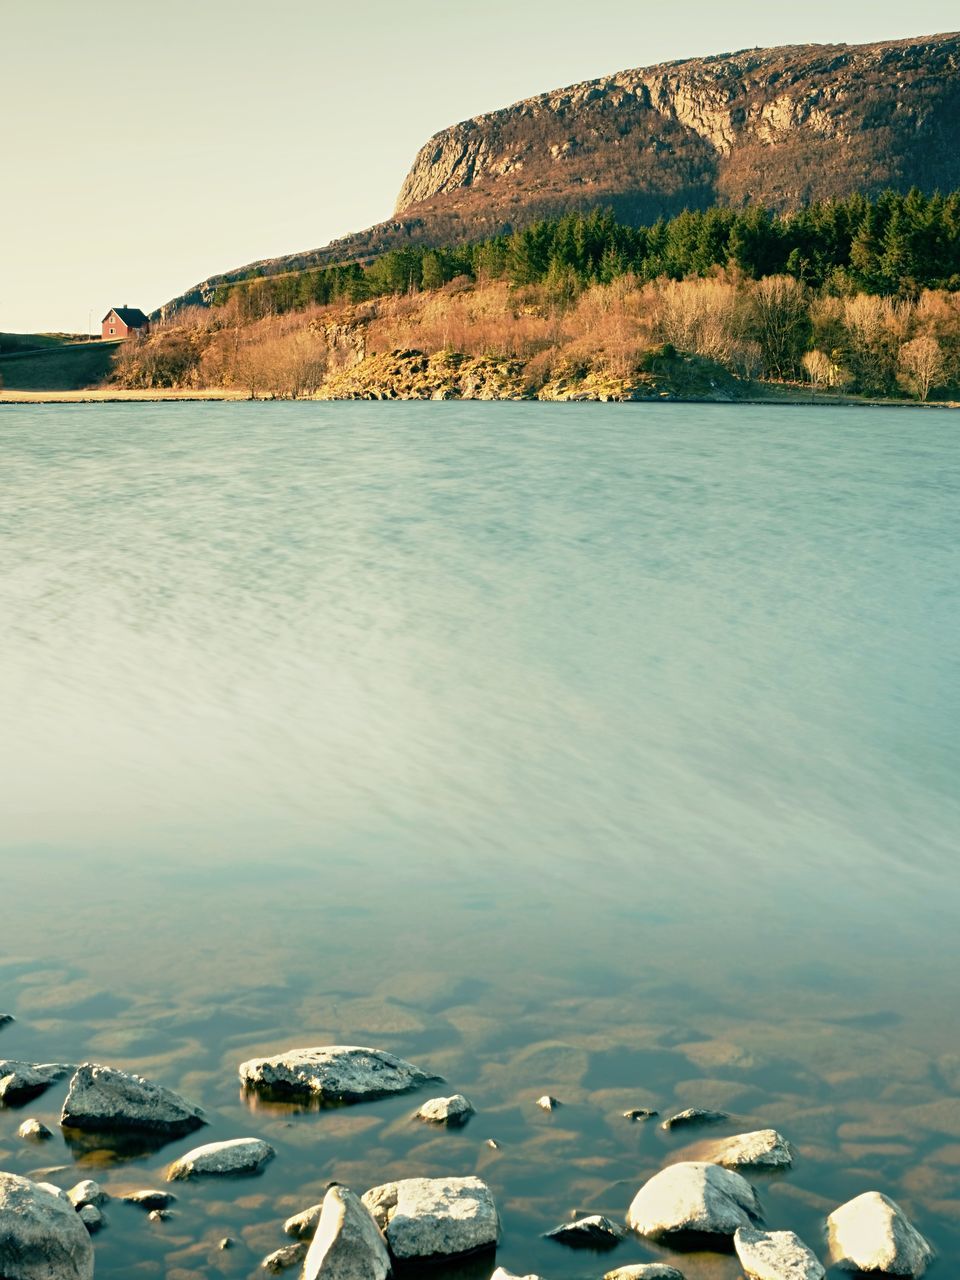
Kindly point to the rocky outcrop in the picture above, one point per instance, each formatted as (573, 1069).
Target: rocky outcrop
(232, 1157)
(102, 1099)
(872, 1233)
(694, 1197)
(435, 1217)
(333, 1073)
(41, 1235)
(775, 1255)
(348, 1244)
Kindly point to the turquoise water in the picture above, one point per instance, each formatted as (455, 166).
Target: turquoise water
(604, 750)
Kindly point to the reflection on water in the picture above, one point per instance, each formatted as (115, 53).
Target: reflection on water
(606, 752)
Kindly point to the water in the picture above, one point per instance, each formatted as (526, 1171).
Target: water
(605, 751)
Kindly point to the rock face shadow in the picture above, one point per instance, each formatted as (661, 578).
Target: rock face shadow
(465, 1266)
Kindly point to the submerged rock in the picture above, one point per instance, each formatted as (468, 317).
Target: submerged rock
(34, 1130)
(149, 1199)
(435, 1217)
(303, 1225)
(694, 1196)
(333, 1073)
(91, 1217)
(40, 1235)
(644, 1271)
(762, 1149)
(872, 1233)
(591, 1232)
(348, 1244)
(290, 1255)
(775, 1255)
(454, 1111)
(21, 1081)
(87, 1192)
(103, 1099)
(692, 1116)
(640, 1113)
(234, 1156)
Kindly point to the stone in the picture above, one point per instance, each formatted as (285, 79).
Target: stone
(158, 1215)
(493, 1144)
(775, 1255)
(431, 1217)
(87, 1192)
(872, 1233)
(454, 1111)
(591, 1232)
(34, 1130)
(502, 1273)
(640, 1113)
(149, 1199)
(333, 1073)
(232, 1157)
(41, 1237)
(56, 1191)
(5, 1018)
(91, 1217)
(644, 1271)
(694, 1196)
(348, 1244)
(22, 1081)
(226, 1243)
(283, 1259)
(761, 1149)
(303, 1225)
(102, 1099)
(548, 1103)
(692, 1116)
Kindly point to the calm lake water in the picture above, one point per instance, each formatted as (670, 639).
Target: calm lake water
(610, 751)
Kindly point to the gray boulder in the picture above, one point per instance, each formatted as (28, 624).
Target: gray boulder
(333, 1073)
(644, 1271)
(87, 1192)
(592, 1232)
(775, 1255)
(453, 1111)
(232, 1157)
(149, 1199)
(283, 1259)
(21, 1081)
(34, 1130)
(435, 1217)
(41, 1237)
(303, 1225)
(694, 1196)
(501, 1273)
(348, 1244)
(693, 1116)
(91, 1217)
(102, 1099)
(872, 1233)
(761, 1149)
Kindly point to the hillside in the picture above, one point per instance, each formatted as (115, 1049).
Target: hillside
(53, 362)
(780, 126)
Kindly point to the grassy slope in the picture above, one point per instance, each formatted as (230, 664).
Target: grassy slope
(57, 366)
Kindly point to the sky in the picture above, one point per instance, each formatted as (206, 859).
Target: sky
(146, 146)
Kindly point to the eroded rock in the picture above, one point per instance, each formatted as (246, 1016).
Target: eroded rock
(348, 1244)
(694, 1196)
(872, 1233)
(333, 1073)
(22, 1081)
(283, 1259)
(435, 1217)
(87, 1192)
(103, 1099)
(693, 1116)
(453, 1111)
(591, 1232)
(34, 1130)
(775, 1255)
(234, 1156)
(761, 1149)
(41, 1236)
(303, 1225)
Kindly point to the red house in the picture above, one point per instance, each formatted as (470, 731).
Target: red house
(121, 322)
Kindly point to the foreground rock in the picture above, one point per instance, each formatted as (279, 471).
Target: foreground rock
(453, 1111)
(333, 1073)
(694, 1196)
(693, 1116)
(775, 1255)
(872, 1233)
(591, 1232)
(762, 1149)
(102, 1099)
(149, 1199)
(87, 1192)
(22, 1081)
(502, 1274)
(290, 1255)
(435, 1217)
(41, 1236)
(645, 1271)
(34, 1130)
(302, 1226)
(348, 1244)
(232, 1157)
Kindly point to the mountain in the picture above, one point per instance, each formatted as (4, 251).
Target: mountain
(783, 126)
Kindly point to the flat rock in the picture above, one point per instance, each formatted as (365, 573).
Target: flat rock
(591, 1232)
(102, 1099)
(693, 1116)
(21, 1081)
(435, 1217)
(775, 1255)
(41, 1237)
(454, 1111)
(640, 1113)
(283, 1259)
(348, 1244)
(644, 1271)
(149, 1199)
(761, 1149)
(87, 1192)
(303, 1225)
(694, 1196)
(91, 1217)
(234, 1156)
(34, 1130)
(333, 1073)
(872, 1233)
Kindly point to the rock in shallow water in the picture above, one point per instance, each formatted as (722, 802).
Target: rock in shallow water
(775, 1255)
(303, 1225)
(453, 1111)
(34, 1130)
(87, 1192)
(21, 1081)
(290, 1255)
(102, 1099)
(645, 1271)
(762, 1149)
(41, 1236)
(591, 1232)
(348, 1244)
(91, 1217)
(693, 1116)
(333, 1073)
(694, 1197)
(149, 1199)
(234, 1156)
(435, 1217)
(872, 1233)
(502, 1274)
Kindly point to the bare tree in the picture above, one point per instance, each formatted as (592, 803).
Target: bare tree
(922, 364)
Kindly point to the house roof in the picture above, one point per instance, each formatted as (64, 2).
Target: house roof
(132, 317)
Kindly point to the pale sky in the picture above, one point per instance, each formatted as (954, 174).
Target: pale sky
(147, 144)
